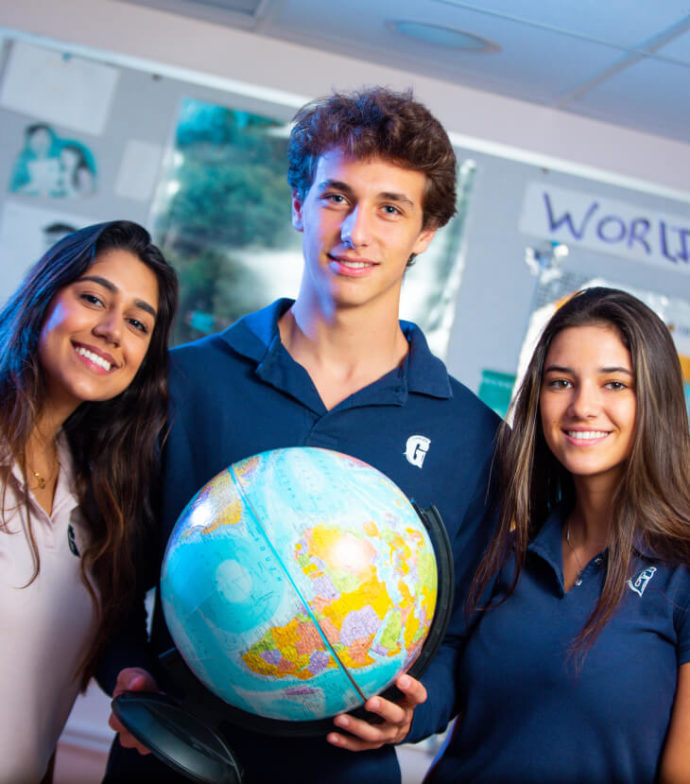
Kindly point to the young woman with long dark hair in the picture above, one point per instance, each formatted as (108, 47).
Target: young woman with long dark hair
(578, 668)
(83, 403)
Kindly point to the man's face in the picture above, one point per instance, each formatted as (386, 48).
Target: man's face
(361, 221)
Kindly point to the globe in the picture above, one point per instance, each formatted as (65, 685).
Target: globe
(298, 583)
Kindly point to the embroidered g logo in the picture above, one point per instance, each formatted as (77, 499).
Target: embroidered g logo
(641, 580)
(416, 449)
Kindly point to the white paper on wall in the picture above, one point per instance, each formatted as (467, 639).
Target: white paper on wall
(59, 88)
(138, 173)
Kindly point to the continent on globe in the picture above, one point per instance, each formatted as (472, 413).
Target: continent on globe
(298, 583)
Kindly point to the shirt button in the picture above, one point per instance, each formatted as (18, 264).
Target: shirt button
(598, 560)
(578, 581)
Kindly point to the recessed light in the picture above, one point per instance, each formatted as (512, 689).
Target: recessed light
(444, 36)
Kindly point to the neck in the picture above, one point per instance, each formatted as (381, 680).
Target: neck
(361, 332)
(49, 422)
(42, 464)
(345, 349)
(590, 520)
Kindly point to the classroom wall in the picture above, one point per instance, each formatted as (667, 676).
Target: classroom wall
(163, 58)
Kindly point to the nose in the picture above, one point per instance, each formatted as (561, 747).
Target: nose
(109, 327)
(584, 402)
(354, 230)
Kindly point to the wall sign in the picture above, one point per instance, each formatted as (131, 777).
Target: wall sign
(606, 226)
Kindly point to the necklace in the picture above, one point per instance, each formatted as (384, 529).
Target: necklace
(580, 567)
(41, 480)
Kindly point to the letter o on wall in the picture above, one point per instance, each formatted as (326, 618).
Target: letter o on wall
(617, 225)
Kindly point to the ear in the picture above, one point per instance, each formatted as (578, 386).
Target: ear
(423, 240)
(297, 206)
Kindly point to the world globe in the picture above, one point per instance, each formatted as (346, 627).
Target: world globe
(298, 583)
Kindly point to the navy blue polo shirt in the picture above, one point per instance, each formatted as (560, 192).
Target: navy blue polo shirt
(239, 393)
(529, 715)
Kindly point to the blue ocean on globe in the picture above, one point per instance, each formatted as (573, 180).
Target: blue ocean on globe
(298, 583)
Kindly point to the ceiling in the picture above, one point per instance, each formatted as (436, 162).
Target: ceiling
(625, 62)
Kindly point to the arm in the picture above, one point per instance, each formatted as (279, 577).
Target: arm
(675, 760)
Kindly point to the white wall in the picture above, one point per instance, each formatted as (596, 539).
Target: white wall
(296, 73)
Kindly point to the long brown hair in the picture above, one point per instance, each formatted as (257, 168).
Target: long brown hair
(114, 443)
(651, 506)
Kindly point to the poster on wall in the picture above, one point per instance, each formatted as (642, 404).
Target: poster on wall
(222, 215)
(52, 166)
(604, 225)
(58, 88)
(26, 233)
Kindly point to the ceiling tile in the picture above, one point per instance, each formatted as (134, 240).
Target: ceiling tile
(651, 96)
(678, 50)
(618, 22)
(534, 64)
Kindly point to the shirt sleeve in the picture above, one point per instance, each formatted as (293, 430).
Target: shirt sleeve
(682, 620)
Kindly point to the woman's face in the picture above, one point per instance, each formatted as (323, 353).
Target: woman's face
(588, 402)
(40, 142)
(97, 331)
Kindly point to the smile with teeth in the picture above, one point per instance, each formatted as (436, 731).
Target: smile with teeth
(586, 435)
(354, 264)
(92, 357)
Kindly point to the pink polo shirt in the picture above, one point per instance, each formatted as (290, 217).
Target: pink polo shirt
(45, 626)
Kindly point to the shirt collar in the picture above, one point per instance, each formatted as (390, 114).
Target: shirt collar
(256, 337)
(65, 489)
(548, 542)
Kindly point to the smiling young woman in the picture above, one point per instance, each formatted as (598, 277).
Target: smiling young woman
(83, 402)
(578, 666)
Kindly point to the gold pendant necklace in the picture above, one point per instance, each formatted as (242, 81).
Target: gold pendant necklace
(41, 481)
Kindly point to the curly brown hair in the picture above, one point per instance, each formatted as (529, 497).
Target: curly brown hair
(377, 123)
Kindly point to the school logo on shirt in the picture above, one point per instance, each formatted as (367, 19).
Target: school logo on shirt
(640, 583)
(72, 540)
(416, 449)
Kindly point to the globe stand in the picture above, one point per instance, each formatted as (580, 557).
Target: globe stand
(179, 739)
(196, 748)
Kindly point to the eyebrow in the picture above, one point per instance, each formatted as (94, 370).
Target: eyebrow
(345, 188)
(108, 284)
(612, 369)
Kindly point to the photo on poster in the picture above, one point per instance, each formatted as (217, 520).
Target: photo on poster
(51, 166)
(222, 216)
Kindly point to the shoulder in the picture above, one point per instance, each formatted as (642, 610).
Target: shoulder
(428, 376)
(470, 413)
(190, 356)
(467, 400)
(678, 594)
(665, 589)
(248, 339)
